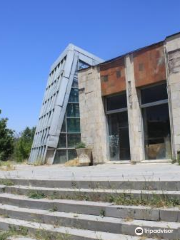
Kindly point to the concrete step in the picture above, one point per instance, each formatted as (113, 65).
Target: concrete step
(57, 232)
(94, 208)
(90, 222)
(135, 185)
(109, 195)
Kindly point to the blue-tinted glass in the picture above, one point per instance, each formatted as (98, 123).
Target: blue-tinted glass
(60, 157)
(72, 154)
(74, 95)
(73, 110)
(62, 141)
(73, 139)
(73, 125)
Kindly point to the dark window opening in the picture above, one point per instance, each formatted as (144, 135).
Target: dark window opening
(117, 102)
(154, 94)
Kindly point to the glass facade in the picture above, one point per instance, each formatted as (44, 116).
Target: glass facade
(70, 131)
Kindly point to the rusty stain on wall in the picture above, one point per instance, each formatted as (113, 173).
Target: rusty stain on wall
(113, 76)
(149, 65)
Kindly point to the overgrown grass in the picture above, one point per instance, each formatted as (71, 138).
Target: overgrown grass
(6, 182)
(13, 231)
(36, 194)
(128, 199)
(38, 234)
(7, 165)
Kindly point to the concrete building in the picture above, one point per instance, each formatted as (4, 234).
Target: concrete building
(125, 109)
(58, 128)
(130, 105)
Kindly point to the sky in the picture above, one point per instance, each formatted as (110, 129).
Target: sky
(35, 32)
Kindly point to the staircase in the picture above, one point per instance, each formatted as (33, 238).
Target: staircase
(87, 210)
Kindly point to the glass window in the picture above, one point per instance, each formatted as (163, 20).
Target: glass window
(64, 125)
(74, 95)
(116, 102)
(73, 110)
(119, 136)
(60, 157)
(75, 83)
(73, 139)
(154, 93)
(72, 154)
(157, 132)
(73, 125)
(83, 65)
(62, 141)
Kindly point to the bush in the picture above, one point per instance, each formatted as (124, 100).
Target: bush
(23, 144)
(6, 140)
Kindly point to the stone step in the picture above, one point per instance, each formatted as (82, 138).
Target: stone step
(109, 195)
(94, 208)
(135, 185)
(60, 232)
(90, 222)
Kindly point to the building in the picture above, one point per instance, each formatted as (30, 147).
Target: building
(125, 109)
(130, 105)
(58, 128)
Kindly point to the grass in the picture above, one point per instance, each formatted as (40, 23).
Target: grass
(36, 194)
(120, 199)
(6, 182)
(39, 234)
(13, 231)
(7, 165)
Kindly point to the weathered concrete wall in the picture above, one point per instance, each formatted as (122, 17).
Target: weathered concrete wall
(172, 50)
(134, 113)
(93, 119)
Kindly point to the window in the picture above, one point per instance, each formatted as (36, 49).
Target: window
(116, 102)
(70, 132)
(155, 112)
(154, 94)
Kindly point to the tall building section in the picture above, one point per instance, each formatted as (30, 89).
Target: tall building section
(58, 128)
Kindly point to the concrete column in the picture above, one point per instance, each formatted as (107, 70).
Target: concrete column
(172, 52)
(134, 113)
(93, 119)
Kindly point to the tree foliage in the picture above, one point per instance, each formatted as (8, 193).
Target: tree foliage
(6, 140)
(23, 144)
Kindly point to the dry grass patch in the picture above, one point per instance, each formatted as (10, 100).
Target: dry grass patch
(72, 163)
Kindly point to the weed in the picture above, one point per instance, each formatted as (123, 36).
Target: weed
(102, 213)
(41, 234)
(53, 209)
(6, 182)
(36, 194)
(7, 165)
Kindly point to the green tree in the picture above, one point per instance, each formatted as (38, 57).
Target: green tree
(23, 144)
(6, 140)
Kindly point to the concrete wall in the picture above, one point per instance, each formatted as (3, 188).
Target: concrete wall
(134, 113)
(172, 51)
(93, 119)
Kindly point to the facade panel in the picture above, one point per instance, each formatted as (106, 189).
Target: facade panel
(113, 77)
(149, 65)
